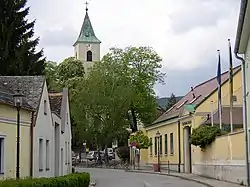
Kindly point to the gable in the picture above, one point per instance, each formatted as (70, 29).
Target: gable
(196, 96)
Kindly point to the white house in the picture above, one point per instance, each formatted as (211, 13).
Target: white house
(59, 103)
(45, 134)
(242, 52)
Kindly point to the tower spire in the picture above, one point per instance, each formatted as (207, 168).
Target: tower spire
(86, 6)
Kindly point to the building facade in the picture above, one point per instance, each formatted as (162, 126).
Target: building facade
(8, 138)
(44, 132)
(193, 110)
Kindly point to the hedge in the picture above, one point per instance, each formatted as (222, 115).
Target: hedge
(71, 180)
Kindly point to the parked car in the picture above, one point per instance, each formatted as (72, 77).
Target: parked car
(111, 154)
(91, 155)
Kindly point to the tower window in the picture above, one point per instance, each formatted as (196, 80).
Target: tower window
(89, 56)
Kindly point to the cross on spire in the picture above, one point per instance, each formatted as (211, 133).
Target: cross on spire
(86, 6)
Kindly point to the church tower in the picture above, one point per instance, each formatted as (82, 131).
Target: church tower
(87, 45)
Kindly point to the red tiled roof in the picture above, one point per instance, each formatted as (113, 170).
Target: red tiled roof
(201, 91)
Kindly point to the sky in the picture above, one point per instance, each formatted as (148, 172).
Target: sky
(185, 33)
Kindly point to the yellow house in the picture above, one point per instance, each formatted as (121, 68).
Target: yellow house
(194, 109)
(8, 136)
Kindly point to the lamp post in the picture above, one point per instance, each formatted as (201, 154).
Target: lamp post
(18, 103)
(158, 134)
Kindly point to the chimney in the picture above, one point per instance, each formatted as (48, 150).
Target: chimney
(192, 89)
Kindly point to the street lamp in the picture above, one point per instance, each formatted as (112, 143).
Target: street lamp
(158, 134)
(18, 98)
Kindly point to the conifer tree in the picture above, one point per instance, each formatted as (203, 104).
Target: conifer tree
(171, 101)
(18, 55)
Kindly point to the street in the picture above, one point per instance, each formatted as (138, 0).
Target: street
(119, 178)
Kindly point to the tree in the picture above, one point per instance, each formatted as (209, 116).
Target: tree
(171, 101)
(142, 67)
(51, 75)
(142, 140)
(102, 97)
(18, 54)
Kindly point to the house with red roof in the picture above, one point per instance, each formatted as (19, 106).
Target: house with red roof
(198, 107)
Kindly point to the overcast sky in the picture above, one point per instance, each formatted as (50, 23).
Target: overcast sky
(185, 33)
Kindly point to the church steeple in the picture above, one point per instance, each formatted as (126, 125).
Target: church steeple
(87, 34)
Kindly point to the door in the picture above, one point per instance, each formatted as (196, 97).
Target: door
(187, 149)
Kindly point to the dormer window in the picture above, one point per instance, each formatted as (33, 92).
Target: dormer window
(194, 99)
(181, 104)
(45, 107)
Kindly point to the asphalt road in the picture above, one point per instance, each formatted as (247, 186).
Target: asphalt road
(119, 178)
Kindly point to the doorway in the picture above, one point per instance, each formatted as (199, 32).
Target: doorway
(187, 149)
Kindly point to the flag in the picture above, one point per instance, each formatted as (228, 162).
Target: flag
(230, 84)
(219, 88)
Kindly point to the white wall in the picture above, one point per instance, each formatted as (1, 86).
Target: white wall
(247, 64)
(65, 139)
(44, 129)
(63, 157)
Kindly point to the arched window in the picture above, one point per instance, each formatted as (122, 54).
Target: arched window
(89, 56)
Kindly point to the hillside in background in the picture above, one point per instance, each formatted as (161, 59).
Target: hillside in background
(163, 101)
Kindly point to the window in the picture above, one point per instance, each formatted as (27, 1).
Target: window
(66, 155)
(151, 147)
(155, 146)
(166, 144)
(89, 56)
(76, 55)
(234, 98)
(1, 155)
(40, 154)
(171, 143)
(194, 99)
(45, 107)
(47, 155)
(67, 120)
(160, 144)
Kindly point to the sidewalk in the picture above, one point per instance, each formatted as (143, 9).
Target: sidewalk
(192, 177)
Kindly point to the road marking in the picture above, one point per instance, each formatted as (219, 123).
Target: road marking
(146, 184)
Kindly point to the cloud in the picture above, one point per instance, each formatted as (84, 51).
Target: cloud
(59, 37)
(186, 34)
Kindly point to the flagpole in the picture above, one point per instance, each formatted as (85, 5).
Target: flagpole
(219, 89)
(230, 85)
(212, 114)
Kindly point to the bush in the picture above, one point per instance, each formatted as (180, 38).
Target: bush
(123, 153)
(204, 135)
(71, 180)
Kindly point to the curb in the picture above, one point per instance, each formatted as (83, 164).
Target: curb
(171, 175)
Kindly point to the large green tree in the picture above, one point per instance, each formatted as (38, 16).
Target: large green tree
(18, 55)
(118, 93)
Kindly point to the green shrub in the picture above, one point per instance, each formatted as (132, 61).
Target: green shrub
(123, 153)
(204, 135)
(71, 180)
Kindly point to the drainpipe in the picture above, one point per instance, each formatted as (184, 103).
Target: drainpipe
(31, 142)
(245, 115)
(179, 146)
